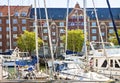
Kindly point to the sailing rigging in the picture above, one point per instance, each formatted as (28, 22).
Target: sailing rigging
(115, 29)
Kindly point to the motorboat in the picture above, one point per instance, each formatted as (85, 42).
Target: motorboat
(105, 61)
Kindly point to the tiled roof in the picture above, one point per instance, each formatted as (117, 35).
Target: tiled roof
(53, 13)
(13, 9)
(60, 13)
(104, 14)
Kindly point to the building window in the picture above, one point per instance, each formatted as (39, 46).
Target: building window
(45, 24)
(61, 24)
(0, 21)
(80, 17)
(61, 44)
(53, 40)
(14, 21)
(46, 44)
(7, 36)
(46, 51)
(14, 36)
(1, 13)
(53, 27)
(111, 31)
(93, 24)
(14, 43)
(45, 37)
(14, 28)
(45, 31)
(0, 36)
(7, 21)
(23, 21)
(33, 24)
(93, 30)
(82, 23)
(8, 43)
(94, 38)
(7, 29)
(53, 33)
(16, 14)
(23, 14)
(0, 28)
(110, 24)
(72, 24)
(0, 43)
(23, 28)
(103, 33)
(74, 16)
(62, 31)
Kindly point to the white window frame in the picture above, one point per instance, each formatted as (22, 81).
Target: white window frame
(61, 24)
(94, 31)
(45, 37)
(62, 31)
(15, 21)
(110, 24)
(94, 24)
(45, 31)
(53, 33)
(7, 21)
(7, 28)
(23, 21)
(94, 38)
(23, 28)
(14, 36)
(111, 31)
(14, 28)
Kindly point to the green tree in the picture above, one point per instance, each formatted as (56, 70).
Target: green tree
(75, 40)
(26, 41)
(113, 39)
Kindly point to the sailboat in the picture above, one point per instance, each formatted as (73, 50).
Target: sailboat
(75, 68)
(106, 58)
(30, 69)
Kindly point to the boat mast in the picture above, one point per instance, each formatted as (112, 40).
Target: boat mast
(115, 29)
(67, 26)
(9, 24)
(103, 45)
(36, 35)
(85, 30)
(49, 34)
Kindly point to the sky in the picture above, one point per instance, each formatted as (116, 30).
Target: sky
(62, 3)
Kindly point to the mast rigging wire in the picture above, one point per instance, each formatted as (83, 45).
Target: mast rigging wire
(115, 29)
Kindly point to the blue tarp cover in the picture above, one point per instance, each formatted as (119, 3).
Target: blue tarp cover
(33, 61)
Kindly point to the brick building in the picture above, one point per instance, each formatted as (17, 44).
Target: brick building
(22, 18)
(19, 16)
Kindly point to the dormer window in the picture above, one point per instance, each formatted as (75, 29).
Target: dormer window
(23, 14)
(1, 13)
(16, 14)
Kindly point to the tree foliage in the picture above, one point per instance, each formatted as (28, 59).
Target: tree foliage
(26, 41)
(75, 40)
(113, 39)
